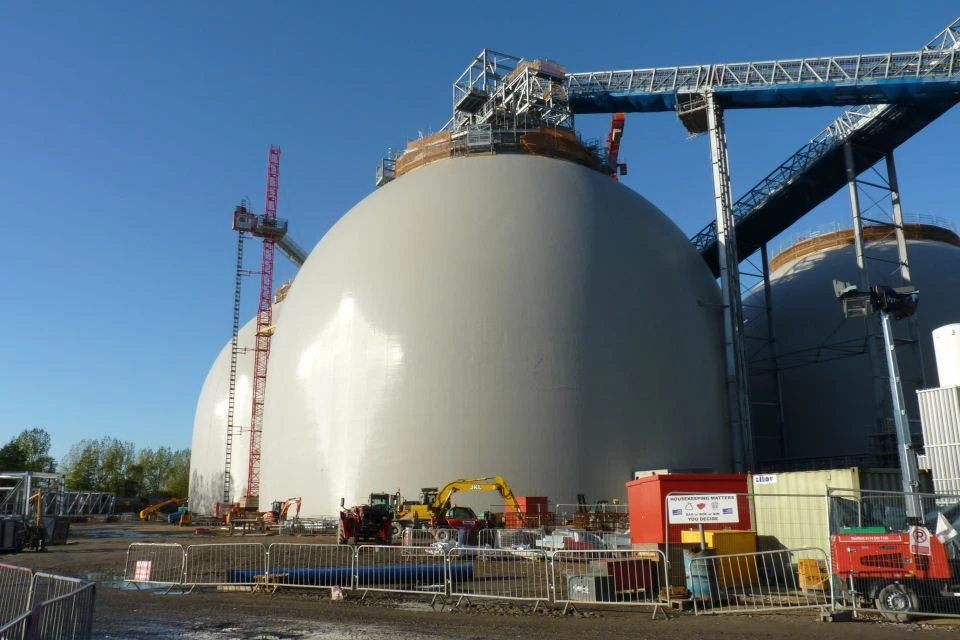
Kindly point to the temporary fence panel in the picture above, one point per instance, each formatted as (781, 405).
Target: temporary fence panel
(882, 561)
(65, 617)
(760, 581)
(400, 569)
(499, 574)
(742, 523)
(693, 512)
(310, 565)
(608, 577)
(15, 585)
(509, 538)
(222, 564)
(47, 586)
(17, 628)
(158, 563)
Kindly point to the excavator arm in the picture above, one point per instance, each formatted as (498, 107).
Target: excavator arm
(145, 513)
(490, 483)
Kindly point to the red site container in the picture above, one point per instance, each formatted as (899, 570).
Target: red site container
(535, 513)
(646, 501)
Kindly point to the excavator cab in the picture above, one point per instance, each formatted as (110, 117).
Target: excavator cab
(428, 495)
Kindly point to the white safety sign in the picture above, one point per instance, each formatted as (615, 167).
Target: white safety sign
(920, 541)
(703, 509)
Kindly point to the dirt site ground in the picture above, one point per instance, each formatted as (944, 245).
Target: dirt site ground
(99, 549)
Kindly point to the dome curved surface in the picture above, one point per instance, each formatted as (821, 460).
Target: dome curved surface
(511, 315)
(828, 396)
(209, 445)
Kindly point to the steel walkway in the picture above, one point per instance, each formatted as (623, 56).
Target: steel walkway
(925, 83)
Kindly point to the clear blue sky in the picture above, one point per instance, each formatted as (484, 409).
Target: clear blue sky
(130, 129)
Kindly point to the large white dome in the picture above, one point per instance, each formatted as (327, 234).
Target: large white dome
(512, 315)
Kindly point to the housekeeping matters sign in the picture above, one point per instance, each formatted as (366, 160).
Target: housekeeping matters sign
(703, 509)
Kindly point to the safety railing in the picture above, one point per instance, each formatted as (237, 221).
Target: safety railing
(309, 565)
(498, 574)
(609, 577)
(156, 563)
(225, 564)
(400, 569)
(42, 605)
(760, 581)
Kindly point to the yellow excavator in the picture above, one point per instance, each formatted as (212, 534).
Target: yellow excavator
(434, 509)
(147, 512)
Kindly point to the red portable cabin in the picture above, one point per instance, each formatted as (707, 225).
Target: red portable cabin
(647, 497)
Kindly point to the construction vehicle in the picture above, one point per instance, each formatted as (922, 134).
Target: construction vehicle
(875, 564)
(33, 535)
(152, 509)
(435, 511)
(363, 523)
(278, 510)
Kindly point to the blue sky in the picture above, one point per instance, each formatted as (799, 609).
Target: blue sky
(130, 130)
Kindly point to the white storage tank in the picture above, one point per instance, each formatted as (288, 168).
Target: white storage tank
(826, 380)
(509, 314)
(946, 346)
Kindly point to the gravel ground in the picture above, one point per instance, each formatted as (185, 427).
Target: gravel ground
(99, 549)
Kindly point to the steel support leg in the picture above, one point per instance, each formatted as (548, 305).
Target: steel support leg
(736, 368)
(772, 348)
(905, 276)
(879, 394)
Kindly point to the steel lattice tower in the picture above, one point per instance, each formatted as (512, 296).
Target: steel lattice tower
(264, 328)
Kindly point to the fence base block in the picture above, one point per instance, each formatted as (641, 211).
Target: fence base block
(828, 615)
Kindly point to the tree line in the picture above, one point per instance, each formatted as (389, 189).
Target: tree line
(105, 464)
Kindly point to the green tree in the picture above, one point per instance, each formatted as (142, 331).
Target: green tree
(112, 465)
(177, 481)
(29, 451)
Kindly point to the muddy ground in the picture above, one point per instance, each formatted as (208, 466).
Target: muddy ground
(99, 550)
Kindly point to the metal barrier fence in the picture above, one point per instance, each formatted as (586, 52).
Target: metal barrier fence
(761, 581)
(53, 607)
(609, 577)
(509, 538)
(15, 583)
(157, 563)
(225, 564)
(740, 523)
(310, 565)
(65, 617)
(885, 562)
(499, 574)
(418, 570)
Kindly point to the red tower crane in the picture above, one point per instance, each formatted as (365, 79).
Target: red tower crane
(264, 326)
(617, 168)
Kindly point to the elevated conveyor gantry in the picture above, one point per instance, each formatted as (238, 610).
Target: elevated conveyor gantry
(927, 80)
(816, 171)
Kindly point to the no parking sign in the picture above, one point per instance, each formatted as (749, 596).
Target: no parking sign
(920, 541)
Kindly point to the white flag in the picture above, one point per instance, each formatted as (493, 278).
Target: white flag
(945, 530)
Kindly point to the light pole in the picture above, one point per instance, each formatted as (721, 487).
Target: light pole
(892, 304)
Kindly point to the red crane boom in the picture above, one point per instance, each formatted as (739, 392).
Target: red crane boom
(264, 328)
(617, 168)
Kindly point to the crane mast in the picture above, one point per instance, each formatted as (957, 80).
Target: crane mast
(264, 329)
